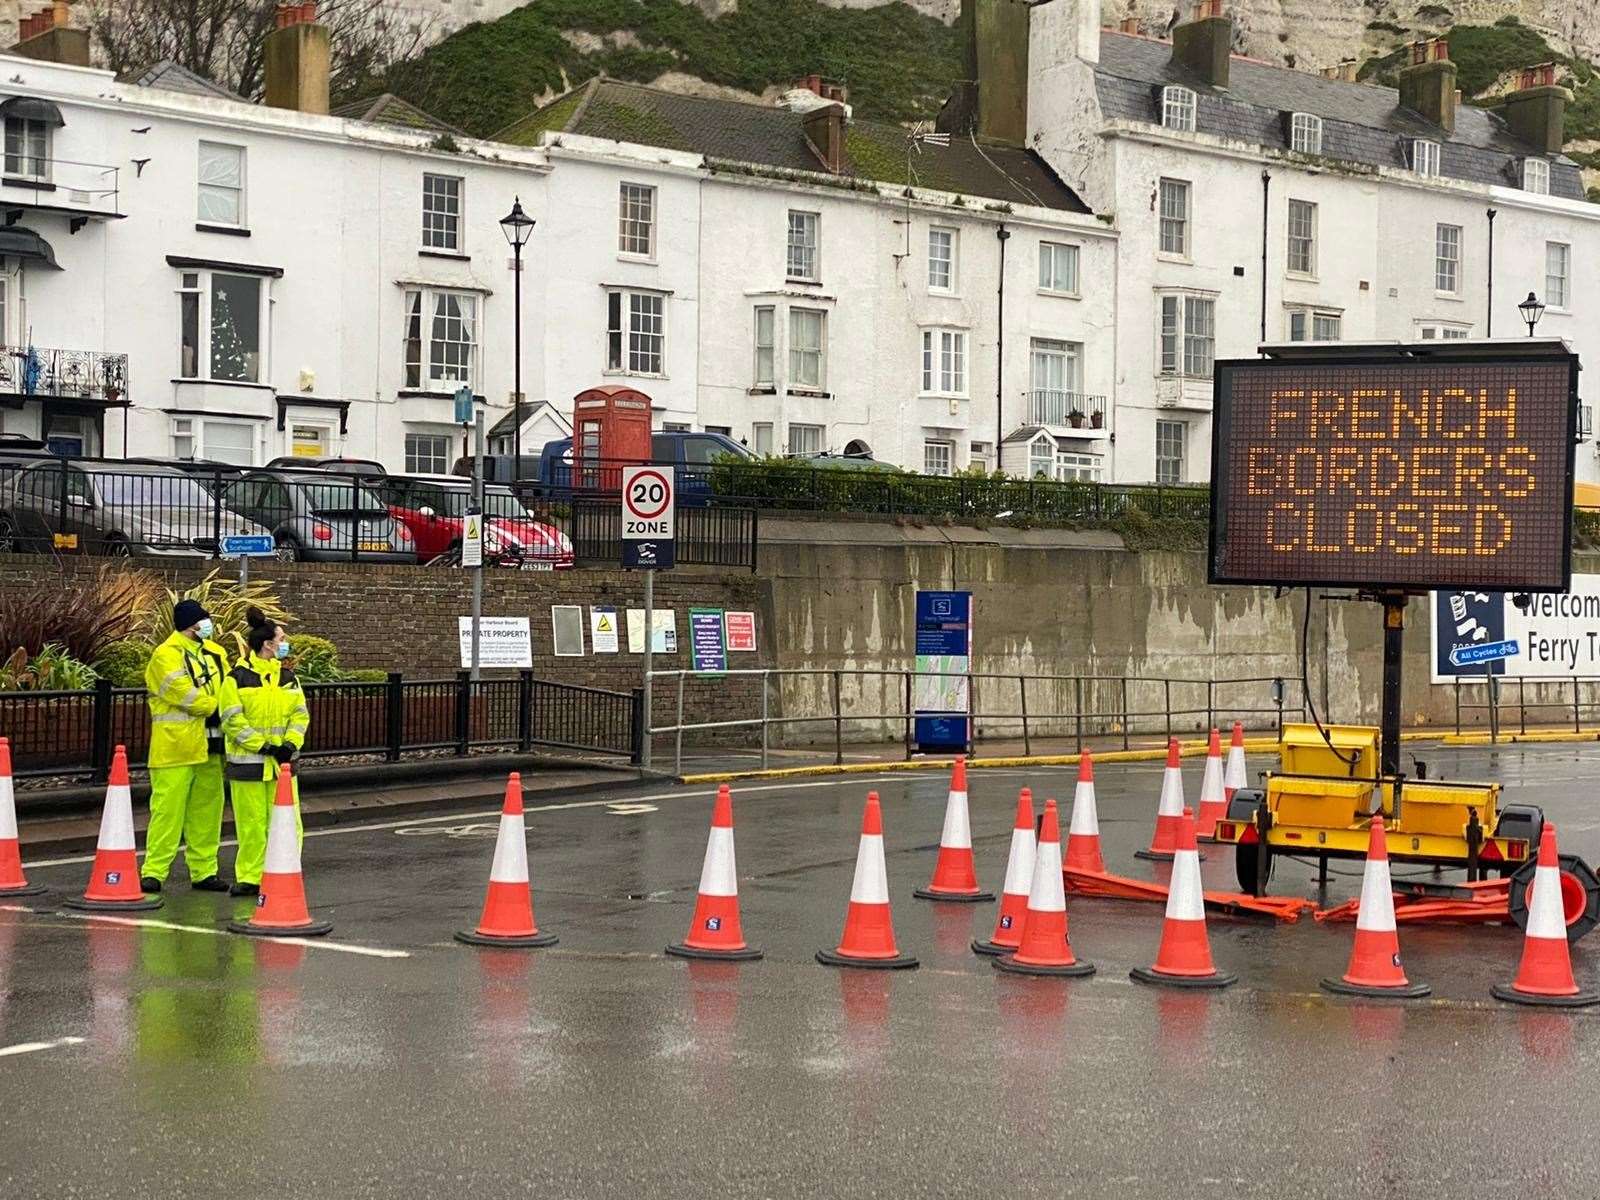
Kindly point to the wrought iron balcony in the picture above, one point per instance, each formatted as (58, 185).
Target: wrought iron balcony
(64, 374)
(1067, 410)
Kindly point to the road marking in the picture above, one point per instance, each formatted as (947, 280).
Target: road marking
(316, 943)
(631, 808)
(35, 1047)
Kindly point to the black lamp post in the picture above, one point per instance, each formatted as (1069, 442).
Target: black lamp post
(517, 226)
(1531, 311)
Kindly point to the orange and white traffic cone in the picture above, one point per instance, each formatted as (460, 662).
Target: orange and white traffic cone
(1213, 800)
(1083, 838)
(1169, 812)
(507, 918)
(1045, 949)
(1374, 968)
(868, 939)
(1545, 974)
(1234, 775)
(955, 875)
(114, 878)
(281, 905)
(1019, 883)
(714, 930)
(12, 881)
(1184, 959)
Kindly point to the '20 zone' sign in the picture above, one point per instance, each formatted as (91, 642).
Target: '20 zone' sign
(1394, 472)
(648, 518)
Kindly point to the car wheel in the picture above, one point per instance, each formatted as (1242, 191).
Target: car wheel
(117, 546)
(286, 551)
(8, 534)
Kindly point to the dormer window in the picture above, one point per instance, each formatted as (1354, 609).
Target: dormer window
(1177, 109)
(1536, 176)
(1425, 158)
(1305, 134)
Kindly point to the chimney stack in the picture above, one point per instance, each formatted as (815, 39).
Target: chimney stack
(1537, 110)
(993, 99)
(824, 129)
(297, 60)
(1345, 72)
(1428, 84)
(47, 37)
(1204, 43)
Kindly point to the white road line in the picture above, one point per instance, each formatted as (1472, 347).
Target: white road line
(316, 943)
(35, 1047)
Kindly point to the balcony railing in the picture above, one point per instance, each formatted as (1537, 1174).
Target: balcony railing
(59, 183)
(1075, 410)
(63, 374)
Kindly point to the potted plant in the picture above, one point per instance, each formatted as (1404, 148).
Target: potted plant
(1097, 419)
(1075, 418)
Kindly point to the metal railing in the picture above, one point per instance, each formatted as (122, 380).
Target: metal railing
(1015, 706)
(74, 733)
(63, 374)
(1552, 700)
(93, 189)
(1075, 409)
(719, 536)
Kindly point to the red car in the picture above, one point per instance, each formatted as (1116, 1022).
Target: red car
(434, 508)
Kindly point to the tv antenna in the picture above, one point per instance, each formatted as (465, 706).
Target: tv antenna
(919, 135)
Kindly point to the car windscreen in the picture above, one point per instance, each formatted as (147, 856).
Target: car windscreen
(152, 491)
(335, 498)
(504, 504)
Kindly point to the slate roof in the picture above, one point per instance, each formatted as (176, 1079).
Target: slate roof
(389, 109)
(736, 132)
(174, 77)
(1361, 122)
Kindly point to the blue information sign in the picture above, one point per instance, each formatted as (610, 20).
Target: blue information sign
(708, 647)
(941, 701)
(248, 545)
(1466, 656)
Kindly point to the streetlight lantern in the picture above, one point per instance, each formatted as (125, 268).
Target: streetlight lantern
(1531, 310)
(518, 227)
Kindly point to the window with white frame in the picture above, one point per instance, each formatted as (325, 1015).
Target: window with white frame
(1305, 133)
(1058, 267)
(1054, 372)
(1310, 325)
(1447, 259)
(766, 346)
(1041, 458)
(636, 220)
(941, 259)
(1071, 465)
(1442, 331)
(636, 332)
(1172, 439)
(441, 340)
(944, 362)
(220, 199)
(1174, 201)
(1188, 334)
(214, 439)
(938, 457)
(27, 148)
(808, 349)
(1425, 157)
(427, 453)
(1177, 109)
(802, 249)
(1536, 176)
(805, 440)
(441, 212)
(761, 438)
(1557, 273)
(222, 326)
(1302, 237)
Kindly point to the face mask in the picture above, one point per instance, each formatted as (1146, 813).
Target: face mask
(205, 627)
(283, 649)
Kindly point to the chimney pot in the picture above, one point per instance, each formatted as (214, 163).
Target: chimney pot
(1129, 25)
(1207, 9)
(60, 12)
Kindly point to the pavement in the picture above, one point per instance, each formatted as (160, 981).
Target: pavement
(154, 1055)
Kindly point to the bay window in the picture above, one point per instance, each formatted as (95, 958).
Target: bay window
(441, 340)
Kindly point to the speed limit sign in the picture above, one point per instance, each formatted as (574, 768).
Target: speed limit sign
(648, 517)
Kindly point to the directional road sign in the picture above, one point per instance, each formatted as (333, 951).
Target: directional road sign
(248, 545)
(1466, 656)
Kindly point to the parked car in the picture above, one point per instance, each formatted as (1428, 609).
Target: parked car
(112, 508)
(434, 509)
(343, 466)
(556, 477)
(844, 462)
(316, 518)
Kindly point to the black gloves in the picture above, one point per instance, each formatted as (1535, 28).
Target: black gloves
(281, 751)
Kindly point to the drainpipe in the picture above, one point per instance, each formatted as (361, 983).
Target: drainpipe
(1266, 188)
(1004, 235)
(1488, 316)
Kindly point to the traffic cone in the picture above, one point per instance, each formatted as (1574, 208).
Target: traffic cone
(1374, 968)
(1213, 801)
(955, 877)
(114, 878)
(12, 881)
(281, 905)
(1545, 974)
(868, 939)
(1083, 839)
(1045, 949)
(1019, 882)
(714, 930)
(1184, 959)
(507, 918)
(1234, 775)
(1169, 813)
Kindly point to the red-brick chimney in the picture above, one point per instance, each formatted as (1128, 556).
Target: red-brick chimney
(47, 36)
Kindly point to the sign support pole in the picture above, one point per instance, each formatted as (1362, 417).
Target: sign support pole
(649, 646)
(1394, 628)
(477, 504)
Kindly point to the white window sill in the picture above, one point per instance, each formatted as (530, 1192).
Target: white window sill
(1454, 297)
(648, 260)
(806, 282)
(943, 396)
(1552, 310)
(947, 293)
(1300, 277)
(206, 382)
(623, 372)
(1060, 294)
(1168, 257)
(441, 252)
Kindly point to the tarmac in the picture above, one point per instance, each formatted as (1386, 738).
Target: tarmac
(153, 1055)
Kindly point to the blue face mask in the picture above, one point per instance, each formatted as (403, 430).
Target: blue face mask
(283, 649)
(204, 628)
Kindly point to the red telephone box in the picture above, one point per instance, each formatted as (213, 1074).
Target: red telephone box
(610, 429)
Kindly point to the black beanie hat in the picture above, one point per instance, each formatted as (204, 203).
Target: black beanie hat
(188, 613)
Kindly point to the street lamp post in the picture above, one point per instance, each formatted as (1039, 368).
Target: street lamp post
(517, 226)
(1531, 311)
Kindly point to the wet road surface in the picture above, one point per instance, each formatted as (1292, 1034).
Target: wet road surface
(143, 1060)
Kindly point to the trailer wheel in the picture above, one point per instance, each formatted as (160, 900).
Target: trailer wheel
(1246, 869)
(1580, 895)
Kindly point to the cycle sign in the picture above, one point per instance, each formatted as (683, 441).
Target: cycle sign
(648, 518)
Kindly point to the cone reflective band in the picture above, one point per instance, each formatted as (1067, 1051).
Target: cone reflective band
(114, 878)
(1169, 812)
(1374, 968)
(1234, 775)
(955, 875)
(12, 881)
(1544, 977)
(714, 930)
(868, 939)
(1044, 949)
(1184, 959)
(1213, 801)
(1083, 839)
(1019, 883)
(281, 905)
(507, 918)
